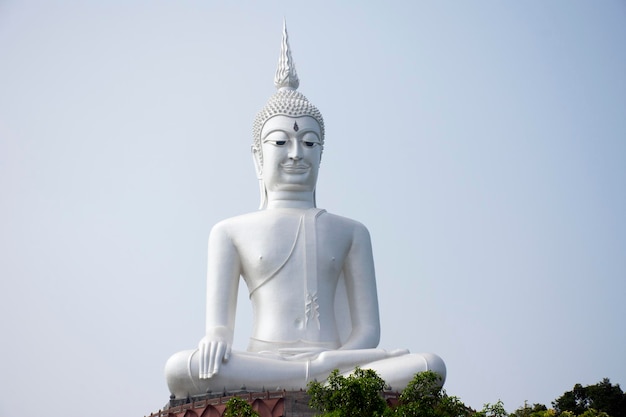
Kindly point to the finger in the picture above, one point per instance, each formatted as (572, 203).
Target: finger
(202, 361)
(219, 354)
(227, 354)
(212, 358)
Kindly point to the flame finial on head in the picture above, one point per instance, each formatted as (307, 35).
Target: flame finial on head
(286, 76)
(287, 101)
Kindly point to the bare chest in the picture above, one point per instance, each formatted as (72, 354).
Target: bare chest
(297, 246)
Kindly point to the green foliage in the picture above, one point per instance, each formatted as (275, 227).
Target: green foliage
(238, 407)
(602, 397)
(445, 406)
(594, 413)
(424, 389)
(359, 395)
(537, 410)
(493, 410)
(574, 401)
(355, 395)
(451, 406)
(424, 397)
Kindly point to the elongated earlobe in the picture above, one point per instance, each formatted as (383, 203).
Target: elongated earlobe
(258, 163)
(258, 167)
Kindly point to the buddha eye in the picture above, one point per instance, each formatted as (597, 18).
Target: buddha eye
(310, 144)
(280, 142)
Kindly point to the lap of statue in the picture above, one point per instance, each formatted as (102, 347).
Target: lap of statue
(269, 371)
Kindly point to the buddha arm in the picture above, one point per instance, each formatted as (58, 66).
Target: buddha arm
(223, 275)
(361, 290)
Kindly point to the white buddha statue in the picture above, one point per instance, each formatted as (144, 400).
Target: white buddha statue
(309, 273)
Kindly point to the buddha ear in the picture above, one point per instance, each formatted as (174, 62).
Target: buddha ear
(258, 167)
(258, 164)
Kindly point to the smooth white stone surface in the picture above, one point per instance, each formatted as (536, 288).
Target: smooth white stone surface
(311, 279)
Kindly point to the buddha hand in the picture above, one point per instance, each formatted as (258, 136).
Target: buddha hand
(214, 349)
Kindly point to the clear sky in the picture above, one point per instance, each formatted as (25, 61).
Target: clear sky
(482, 143)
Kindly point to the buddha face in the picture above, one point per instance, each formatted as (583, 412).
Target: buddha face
(292, 150)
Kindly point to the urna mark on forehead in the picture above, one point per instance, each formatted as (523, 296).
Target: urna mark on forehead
(287, 101)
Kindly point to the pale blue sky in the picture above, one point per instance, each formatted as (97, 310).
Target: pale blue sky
(483, 144)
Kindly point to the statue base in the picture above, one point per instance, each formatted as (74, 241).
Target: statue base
(267, 404)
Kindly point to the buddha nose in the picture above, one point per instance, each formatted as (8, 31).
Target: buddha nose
(295, 150)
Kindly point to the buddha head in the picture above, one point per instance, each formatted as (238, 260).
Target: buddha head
(288, 130)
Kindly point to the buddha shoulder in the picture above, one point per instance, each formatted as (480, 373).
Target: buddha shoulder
(343, 226)
(270, 219)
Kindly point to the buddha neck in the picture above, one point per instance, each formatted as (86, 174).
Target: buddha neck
(290, 199)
